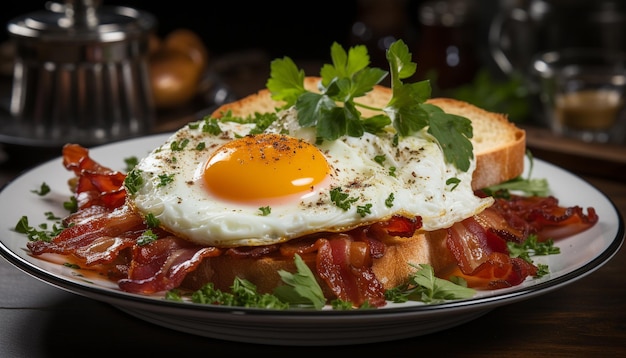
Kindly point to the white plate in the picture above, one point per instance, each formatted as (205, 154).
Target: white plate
(580, 255)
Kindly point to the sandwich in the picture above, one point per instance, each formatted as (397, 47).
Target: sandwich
(336, 180)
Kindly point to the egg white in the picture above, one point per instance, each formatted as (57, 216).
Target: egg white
(184, 207)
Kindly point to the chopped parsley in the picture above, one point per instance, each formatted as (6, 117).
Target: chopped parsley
(454, 182)
(364, 210)
(71, 205)
(210, 126)
(146, 237)
(165, 179)
(261, 120)
(43, 190)
(389, 200)
(265, 210)
(176, 146)
(341, 199)
(43, 232)
(152, 221)
(133, 181)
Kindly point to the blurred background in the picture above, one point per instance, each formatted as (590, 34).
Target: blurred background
(475, 50)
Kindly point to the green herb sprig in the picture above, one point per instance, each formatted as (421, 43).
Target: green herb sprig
(424, 286)
(334, 110)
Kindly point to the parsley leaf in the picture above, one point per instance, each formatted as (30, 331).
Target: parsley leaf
(531, 246)
(44, 189)
(334, 109)
(424, 286)
(146, 237)
(340, 199)
(300, 288)
(527, 185)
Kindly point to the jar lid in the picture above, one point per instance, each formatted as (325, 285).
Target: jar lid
(82, 21)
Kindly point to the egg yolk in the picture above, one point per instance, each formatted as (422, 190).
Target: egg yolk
(265, 168)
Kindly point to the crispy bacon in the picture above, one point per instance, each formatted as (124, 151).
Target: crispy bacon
(544, 217)
(96, 184)
(103, 234)
(479, 243)
(163, 264)
(402, 226)
(120, 223)
(346, 267)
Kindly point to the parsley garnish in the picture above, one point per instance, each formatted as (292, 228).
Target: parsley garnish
(389, 200)
(527, 185)
(147, 237)
(300, 288)
(363, 210)
(152, 221)
(43, 189)
(349, 77)
(131, 162)
(244, 294)
(133, 181)
(165, 179)
(261, 120)
(265, 210)
(41, 233)
(210, 126)
(178, 146)
(341, 199)
(530, 247)
(71, 205)
(454, 182)
(424, 286)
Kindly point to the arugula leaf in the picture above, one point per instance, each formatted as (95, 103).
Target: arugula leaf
(334, 109)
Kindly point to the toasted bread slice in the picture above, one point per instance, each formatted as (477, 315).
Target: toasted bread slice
(499, 145)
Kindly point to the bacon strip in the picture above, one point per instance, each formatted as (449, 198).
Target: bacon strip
(479, 243)
(121, 223)
(349, 281)
(163, 264)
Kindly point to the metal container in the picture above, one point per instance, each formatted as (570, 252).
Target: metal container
(81, 74)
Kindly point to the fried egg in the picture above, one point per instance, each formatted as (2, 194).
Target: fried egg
(214, 184)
